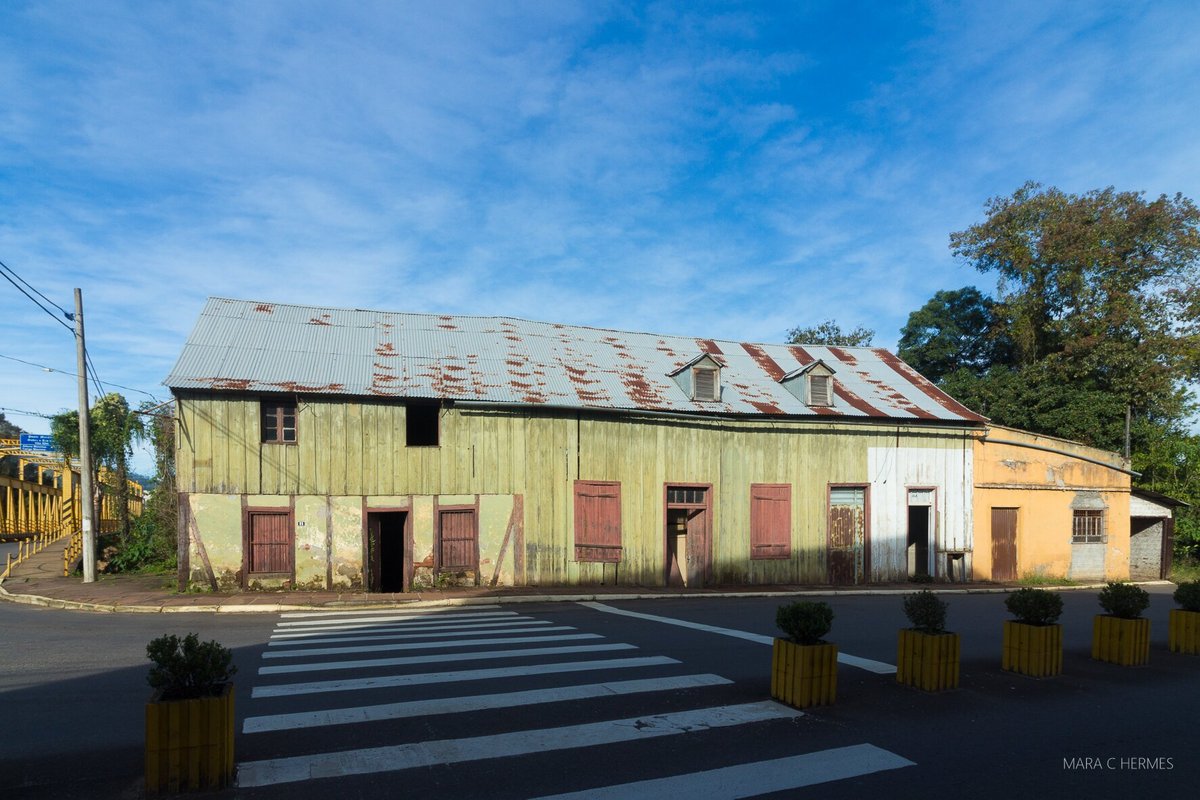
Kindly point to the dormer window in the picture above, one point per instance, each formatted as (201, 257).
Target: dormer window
(820, 390)
(811, 384)
(705, 384)
(700, 378)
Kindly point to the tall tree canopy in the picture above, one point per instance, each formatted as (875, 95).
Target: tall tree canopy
(1102, 288)
(956, 329)
(830, 333)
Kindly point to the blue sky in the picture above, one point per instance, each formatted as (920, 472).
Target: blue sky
(726, 170)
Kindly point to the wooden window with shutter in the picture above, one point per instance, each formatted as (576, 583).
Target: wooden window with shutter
(706, 384)
(770, 520)
(820, 390)
(269, 542)
(279, 421)
(598, 521)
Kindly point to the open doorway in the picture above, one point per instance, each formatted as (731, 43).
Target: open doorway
(688, 535)
(386, 561)
(920, 531)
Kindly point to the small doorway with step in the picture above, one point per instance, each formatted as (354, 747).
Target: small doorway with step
(688, 534)
(920, 532)
(389, 550)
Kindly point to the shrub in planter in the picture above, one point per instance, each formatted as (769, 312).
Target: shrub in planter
(803, 665)
(1124, 600)
(189, 719)
(1033, 641)
(805, 622)
(1183, 634)
(927, 656)
(1121, 635)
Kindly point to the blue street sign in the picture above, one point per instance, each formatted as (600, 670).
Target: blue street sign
(37, 441)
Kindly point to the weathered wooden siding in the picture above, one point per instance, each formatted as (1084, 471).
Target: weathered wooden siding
(894, 470)
(354, 448)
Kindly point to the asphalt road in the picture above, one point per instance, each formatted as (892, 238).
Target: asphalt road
(664, 707)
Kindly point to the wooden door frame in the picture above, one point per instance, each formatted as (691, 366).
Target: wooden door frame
(1016, 528)
(367, 510)
(438, 508)
(247, 511)
(866, 487)
(934, 528)
(706, 551)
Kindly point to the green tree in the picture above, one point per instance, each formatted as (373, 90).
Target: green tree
(113, 429)
(830, 333)
(956, 329)
(7, 429)
(1101, 289)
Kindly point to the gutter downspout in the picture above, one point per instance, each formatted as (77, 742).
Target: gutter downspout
(1056, 451)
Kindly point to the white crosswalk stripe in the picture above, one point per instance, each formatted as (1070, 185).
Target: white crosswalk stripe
(596, 674)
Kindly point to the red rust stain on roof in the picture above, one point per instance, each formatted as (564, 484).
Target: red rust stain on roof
(292, 386)
(801, 355)
(265, 308)
(236, 384)
(321, 320)
(921, 382)
(765, 361)
(709, 346)
(766, 408)
(842, 355)
(447, 323)
(853, 400)
(385, 349)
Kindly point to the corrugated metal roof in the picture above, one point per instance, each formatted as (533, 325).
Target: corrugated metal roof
(242, 345)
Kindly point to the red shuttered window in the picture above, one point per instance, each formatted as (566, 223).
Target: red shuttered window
(458, 540)
(770, 520)
(598, 521)
(269, 542)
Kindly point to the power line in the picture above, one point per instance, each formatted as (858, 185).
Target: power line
(75, 375)
(8, 274)
(26, 413)
(65, 313)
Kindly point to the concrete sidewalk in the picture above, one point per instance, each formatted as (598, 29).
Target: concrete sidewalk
(39, 581)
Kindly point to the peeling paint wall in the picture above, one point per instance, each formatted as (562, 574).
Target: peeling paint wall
(351, 452)
(1021, 472)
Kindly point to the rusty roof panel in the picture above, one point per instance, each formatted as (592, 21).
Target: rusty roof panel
(239, 345)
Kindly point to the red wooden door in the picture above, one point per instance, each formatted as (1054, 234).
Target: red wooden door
(458, 540)
(270, 542)
(1004, 544)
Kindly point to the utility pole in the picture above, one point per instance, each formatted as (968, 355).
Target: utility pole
(85, 447)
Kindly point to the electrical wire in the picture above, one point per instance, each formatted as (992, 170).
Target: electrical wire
(65, 313)
(8, 274)
(76, 375)
(26, 413)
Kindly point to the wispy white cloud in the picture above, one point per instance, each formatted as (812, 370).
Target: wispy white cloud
(694, 170)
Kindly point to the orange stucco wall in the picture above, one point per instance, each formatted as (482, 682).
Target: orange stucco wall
(1014, 470)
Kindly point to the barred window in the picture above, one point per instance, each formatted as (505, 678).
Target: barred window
(1087, 527)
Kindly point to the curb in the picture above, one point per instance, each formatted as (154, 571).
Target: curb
(276, 608)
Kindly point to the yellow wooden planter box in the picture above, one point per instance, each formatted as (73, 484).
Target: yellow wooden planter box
(1183, 632)
(1033, 650)
(189, 743)
(804, 675)
(1121, 641)
(927, 661)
